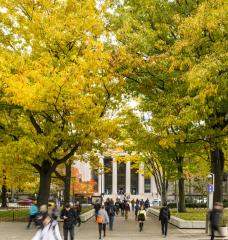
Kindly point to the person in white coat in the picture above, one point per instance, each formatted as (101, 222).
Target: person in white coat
(49, 230)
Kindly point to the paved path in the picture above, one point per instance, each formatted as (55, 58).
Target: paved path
(122, 230)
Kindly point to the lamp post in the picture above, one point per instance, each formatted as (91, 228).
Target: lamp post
(210, 190)
(210, 196)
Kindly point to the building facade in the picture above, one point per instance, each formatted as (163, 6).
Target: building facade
(116, 179)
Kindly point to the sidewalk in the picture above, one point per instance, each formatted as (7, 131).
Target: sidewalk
(129, 230)
(122, 230)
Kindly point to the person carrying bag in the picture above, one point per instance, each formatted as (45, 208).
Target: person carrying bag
(102, 220)
(141, 217)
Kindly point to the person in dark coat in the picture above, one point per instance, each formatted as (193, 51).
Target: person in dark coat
(215, 217)
(164, 217)
(136, 211)
(122, 207)
(127, 209)
(69, 217)
(117, 206)
(147, 204)
(111, 210)
(97, 207)
(78, 209)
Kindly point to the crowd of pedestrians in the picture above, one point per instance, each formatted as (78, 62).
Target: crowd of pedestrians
(105, 213)
(47, 221)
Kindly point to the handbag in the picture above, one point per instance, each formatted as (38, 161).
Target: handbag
(99, 219)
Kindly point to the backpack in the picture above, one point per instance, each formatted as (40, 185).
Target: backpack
(111, 211)
(141, 216)
(164, 214)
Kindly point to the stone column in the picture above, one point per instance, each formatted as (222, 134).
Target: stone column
(101, 177)
(114, 177)
(128, 177)
(152, 185)
(141, 179)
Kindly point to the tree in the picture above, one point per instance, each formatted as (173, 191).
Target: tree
(202, 58)
(168, 57)
(55, 70)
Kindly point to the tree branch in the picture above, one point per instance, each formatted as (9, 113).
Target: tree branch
(35, 124)
(37, 167)
(59, 144)
(58, 175)
(65, 158)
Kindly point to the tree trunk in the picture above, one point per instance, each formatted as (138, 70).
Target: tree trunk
(217, 165)
(4, 191)
(164, 190)
(45, 183)
(181, 204)
(67, 183)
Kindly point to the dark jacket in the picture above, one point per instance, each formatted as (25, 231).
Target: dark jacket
(97, 207)
(164, 214)
(215, 216)
(111, 210)
(127, 207)
(71, 219)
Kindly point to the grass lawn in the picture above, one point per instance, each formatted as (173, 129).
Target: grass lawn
(198, 214)
(191, 214)
(86, 209)
(20, 214)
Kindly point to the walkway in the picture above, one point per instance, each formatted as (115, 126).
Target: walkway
(122, 230)
(129, 230)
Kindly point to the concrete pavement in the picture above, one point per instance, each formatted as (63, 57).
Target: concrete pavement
(122, 230)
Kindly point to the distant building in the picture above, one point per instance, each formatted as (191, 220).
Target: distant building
(120, 179)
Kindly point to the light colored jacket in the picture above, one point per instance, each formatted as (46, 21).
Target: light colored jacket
(49, 232)
(142, 212)
(104, 214)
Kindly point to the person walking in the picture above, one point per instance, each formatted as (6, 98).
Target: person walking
(136, 211)
(97, 207)
(102, 220)
(48, 231)
(54, 212)
(133, 204)
(126, 210)
(164, 217)
(122, 206)
(147, 204)
(33, 211)
(78, 209)
(42, 214)
(117, 206)
(69, 217)
(141, 215)
(111, 210)
(215, 218)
